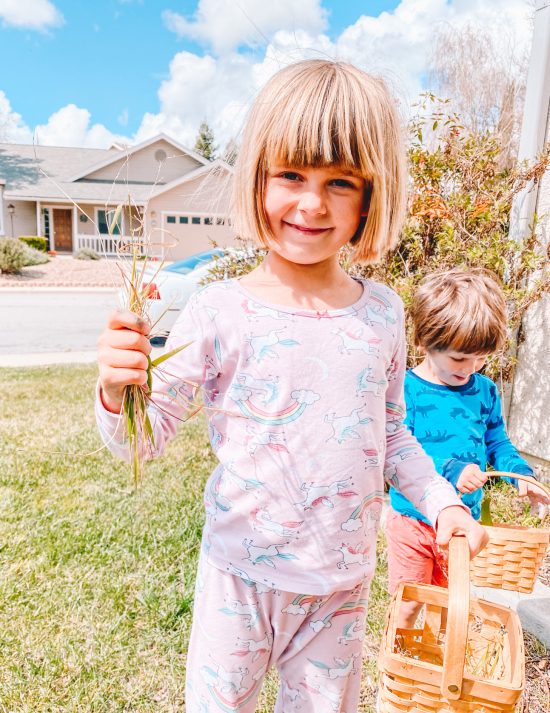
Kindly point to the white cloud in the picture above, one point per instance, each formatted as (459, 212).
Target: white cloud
(227, 25)
(394, 44)
(220, 88)
(30, 14)
(70, 126)
(12, 128)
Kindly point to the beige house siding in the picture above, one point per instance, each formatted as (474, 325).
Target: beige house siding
(143, 164)
(200, 210)
(529, 419)
(24, 219)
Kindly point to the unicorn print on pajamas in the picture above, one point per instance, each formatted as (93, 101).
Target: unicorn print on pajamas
(251, 646)
(352, 555)
(268, 389)
(226, 681)
(262, 521)
(248, 611)
(266, 555)
(341, 669)
(355, 342)
(367, 383)
(263, 345)
(325, 494)
(352, 632)
(345, 427)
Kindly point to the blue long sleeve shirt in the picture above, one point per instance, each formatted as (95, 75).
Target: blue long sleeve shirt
(458, 425)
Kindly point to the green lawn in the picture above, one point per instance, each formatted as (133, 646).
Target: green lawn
(96, 579)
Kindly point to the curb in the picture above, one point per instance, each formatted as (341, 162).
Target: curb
(46, 359)
(58, 288)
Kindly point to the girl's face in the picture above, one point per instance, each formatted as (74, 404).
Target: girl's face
(312, 212)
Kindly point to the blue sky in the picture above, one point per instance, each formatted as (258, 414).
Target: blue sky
(85, 73)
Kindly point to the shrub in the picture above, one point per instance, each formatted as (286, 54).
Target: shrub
(34, 257)
(12, 255)
(35, 241)
(86, 254)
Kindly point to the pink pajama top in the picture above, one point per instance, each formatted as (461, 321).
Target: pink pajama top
(305, 414)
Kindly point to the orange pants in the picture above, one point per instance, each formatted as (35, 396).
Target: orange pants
(413, 555)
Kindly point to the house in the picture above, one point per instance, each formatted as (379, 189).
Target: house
(157, 192)
(529, 412)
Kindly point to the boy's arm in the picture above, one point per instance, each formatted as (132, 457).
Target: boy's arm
(501, 452)
(407, 467)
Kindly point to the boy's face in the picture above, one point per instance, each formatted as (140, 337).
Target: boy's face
(453, 368)
(312, 212)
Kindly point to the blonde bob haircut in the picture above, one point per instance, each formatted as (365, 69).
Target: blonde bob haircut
(319, 113)
(459, 310)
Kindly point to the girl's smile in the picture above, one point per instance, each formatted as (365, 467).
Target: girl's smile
(312, 211)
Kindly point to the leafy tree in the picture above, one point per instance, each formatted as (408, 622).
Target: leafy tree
(205, 145)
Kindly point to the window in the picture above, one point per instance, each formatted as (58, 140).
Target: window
(46, 224)
(170, 218)
(105, 220)
(220, 221)
(184, 219)
(208, 221)
(195, 220)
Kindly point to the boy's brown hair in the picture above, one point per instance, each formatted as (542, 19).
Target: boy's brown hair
(460, 310)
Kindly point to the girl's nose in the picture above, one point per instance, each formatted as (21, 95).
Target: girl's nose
(312, 201)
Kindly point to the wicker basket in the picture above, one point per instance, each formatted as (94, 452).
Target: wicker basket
(441, 667)
(512, 558)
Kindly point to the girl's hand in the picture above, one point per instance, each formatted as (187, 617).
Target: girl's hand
(472, 478)
(455, 520)
(122, 351)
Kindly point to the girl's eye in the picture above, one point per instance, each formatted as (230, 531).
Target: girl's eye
(457, 359)
(290, 175)
(342, 183)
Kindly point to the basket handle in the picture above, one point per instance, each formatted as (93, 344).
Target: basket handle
(486, 518)
(457, 618)
(527, 479)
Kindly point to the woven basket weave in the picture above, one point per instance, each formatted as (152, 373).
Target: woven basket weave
(424, 670)
(512, 558)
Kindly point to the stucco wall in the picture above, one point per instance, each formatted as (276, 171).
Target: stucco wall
(529, 418)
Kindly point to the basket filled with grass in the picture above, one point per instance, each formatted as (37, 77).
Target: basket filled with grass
(512, 558)
(467, 655)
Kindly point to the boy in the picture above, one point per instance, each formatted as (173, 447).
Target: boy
(459, 319)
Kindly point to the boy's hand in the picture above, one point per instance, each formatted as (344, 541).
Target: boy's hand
(472, 478)
(455, 520)
(537, 497)
(122, 351)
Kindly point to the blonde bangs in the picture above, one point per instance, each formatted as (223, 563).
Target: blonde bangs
(320, 113)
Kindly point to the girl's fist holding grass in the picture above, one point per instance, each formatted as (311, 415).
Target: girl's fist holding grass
(122, 354)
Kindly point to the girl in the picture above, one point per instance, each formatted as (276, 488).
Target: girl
(301, 369)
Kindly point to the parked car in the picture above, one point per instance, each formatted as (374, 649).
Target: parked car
(170, 288)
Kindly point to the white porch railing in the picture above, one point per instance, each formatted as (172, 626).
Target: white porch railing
(107, 244)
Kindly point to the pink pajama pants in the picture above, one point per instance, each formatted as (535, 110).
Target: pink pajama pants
(241, 629)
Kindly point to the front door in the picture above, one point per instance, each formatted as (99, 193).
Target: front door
(62, 229)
